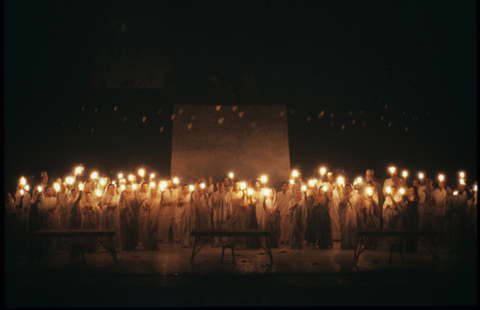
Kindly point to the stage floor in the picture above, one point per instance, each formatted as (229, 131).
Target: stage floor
(310, 276)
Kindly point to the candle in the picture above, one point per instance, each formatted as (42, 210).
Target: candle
(69, 180)
(23, 181)
(292, 181)
(475, 188)
(369, 191)
(152, 184)
(264, 179)
(102, 182)
(122, 187)
(392, 169)
(163, 185)
(265, 191)
(402, 191)
(243, 185)
(141, 172)
(22, 192)
(120, 175)
(420, 176)
(134, 186)
(441, 177)
(462, 182)
(152, 175)
(98, 192)
(130, 177)
(295, 173)
(39, 189)
(250, 192)
(359, 180)
(80, 186)
(322, 171)
(113, 182)
(27, 188)
(311, 183)
(325, 188)
(455, 192)
(462, 174)
(389, 189)
(78, 170)
(340, 180)
(94, 175)
(304, 188)
(56, 186)
(404, 173)
(202, 185)
(191, 188)
(230, 175)
(175, 180)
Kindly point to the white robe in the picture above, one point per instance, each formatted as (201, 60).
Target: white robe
(110, 215)
(259, 210)
(222, 206)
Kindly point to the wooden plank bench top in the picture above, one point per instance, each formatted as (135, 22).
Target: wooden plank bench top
(230, 233)
(76, 232)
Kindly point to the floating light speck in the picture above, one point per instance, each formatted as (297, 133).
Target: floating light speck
(161, 129)
(218, 107)
(427, 113)
(79, 125)
(144, 119)
(382, 118)
(386, 106)
(193, 117)
(364, 123)
(350, 113)
(234, 108)
(403, 112)
(115, 109)
(416, 118)
(173, 116)
(92, 129)
(240, 114)
(389, 124)
(320, 115)
(159, 111)
(189, 126)
(361, 112)
(220, 120)
(353, 123)
(125, 119)
(281, 114)
(63, 124)
(343, 127)
(180, 112)
(84, 108)
(331, 124)
(253, 124)
(308, 119)
(323, 112)
(406, 128)
(331, 115)
(96, 109)
(293, 111)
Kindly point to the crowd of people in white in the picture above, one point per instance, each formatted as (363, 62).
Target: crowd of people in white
(316, 212)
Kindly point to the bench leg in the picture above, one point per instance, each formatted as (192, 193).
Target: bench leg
(194, 247)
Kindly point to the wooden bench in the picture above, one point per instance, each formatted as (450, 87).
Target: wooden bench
(73, 233)
(372, 234)
(231, 233)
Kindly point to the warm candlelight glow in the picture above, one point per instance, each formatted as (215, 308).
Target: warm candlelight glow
(69, 180)
(202, 185)
(304, 188)
(113, 182)
(291, 182)
(27, 188)
(404, 173)
(122, 181)
(56, 187)
(369, 191)
(441, 177)
(250, 192)
(94, 175)
(462, 182)
(175, 180)
(141, 172)
(191, 188)
(78, 170)
(455, 192)
(295, 173)
(130, 177)
(402, 191)
(23, 181)
(462, 174)
(80, 186)
(134, 186)
(359, 180)
(22, 192)
(392, 169)
(265, 191)
(152, 175)
(420, 176)
(243, 185)
(102, 182)
(475, 188)
(389, 189)
(264, 179)
(163, 185)
(311, 183)
(120, 175)
(323, 170)
(340, 180)
(98, 193)
(325, 188)
(39, 189)
(230, 175)
(122, 187)
(152, 184)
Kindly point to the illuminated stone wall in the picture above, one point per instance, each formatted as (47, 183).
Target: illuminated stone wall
(246, 140)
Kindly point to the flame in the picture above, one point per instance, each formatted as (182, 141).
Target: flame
(392, 169)
(122, 187)
(455, 192)
(22, 192)
(250, 192)
(291, 182)
(340, 180)
(295, 173)
(462, 174)
(78, 170)
(80, 186)
(27, 188)
(441, 177)
(402, 191)
(98, 193)
(369, 191)
(230, 175)
(39, 189)
(102, 182)
(152, 184)
(420, 175)
(134, 186)
(323, 170)
(23, 181)
(163, 185)
(152, 175)
(243, 185)
(304, 188)
(130, 177)
(404, 173)
(191, 188)
(202, 185)
(94, 175)
(175, 180)
(263, 178)
(56, 186)
(389, 189)
(120, 175)
(141, 172)
(265, 191)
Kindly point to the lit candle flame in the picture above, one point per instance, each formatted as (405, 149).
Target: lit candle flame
(78, 170)
(141, 172)
(392, 169)
(441, 177)
(243, 185)
(23, 181)
(325, 188)
(39, 189)
(475, 188)
(122, 187)
(359, 180)
(369, 191)
(265, 191)
(455, 192)
(462, 174)
(152, 175)
(120, 175)
(130, 177)
(304, 188)
(80, 186)
(152, 184)
(402, 191)
(291, 182)
(69, 180)
(56, 186)
(389, 189)
(263, 178)
(311, 183)
(404, 173)
(94, 175)
(230, 175)
(134, 186)
(27, 188)
(191, 188)
(250, 192)
(340, 180)
(462, 182)
(420, 175)
(102, 181)
(202, 185)
(323, 170)
(163, 185)
(295, 173)
(175, 180)
(22, 192)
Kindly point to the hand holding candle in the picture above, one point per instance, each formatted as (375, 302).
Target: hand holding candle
(23, 181)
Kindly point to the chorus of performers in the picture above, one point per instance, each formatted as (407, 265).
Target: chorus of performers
(317, 212)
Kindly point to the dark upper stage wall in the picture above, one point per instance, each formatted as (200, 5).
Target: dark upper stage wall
(210, 142)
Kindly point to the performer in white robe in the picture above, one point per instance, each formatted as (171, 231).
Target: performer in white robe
(169, 199)
(394, 180)
(111, 214)
(392, 209)
(91, 219)
(298, 215)
(441, 219)
(461, 241)
(334, 197)
(48, 206)
(141, 213)
(259, 209)
(22, 205)
(425, 210)
(202, 207)
(378, 192)
(272, 222)
(153, 208)
(62, 200)
(239, 210)
(186, 203)
(222, 210)
(283, 199)
(348, 217)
